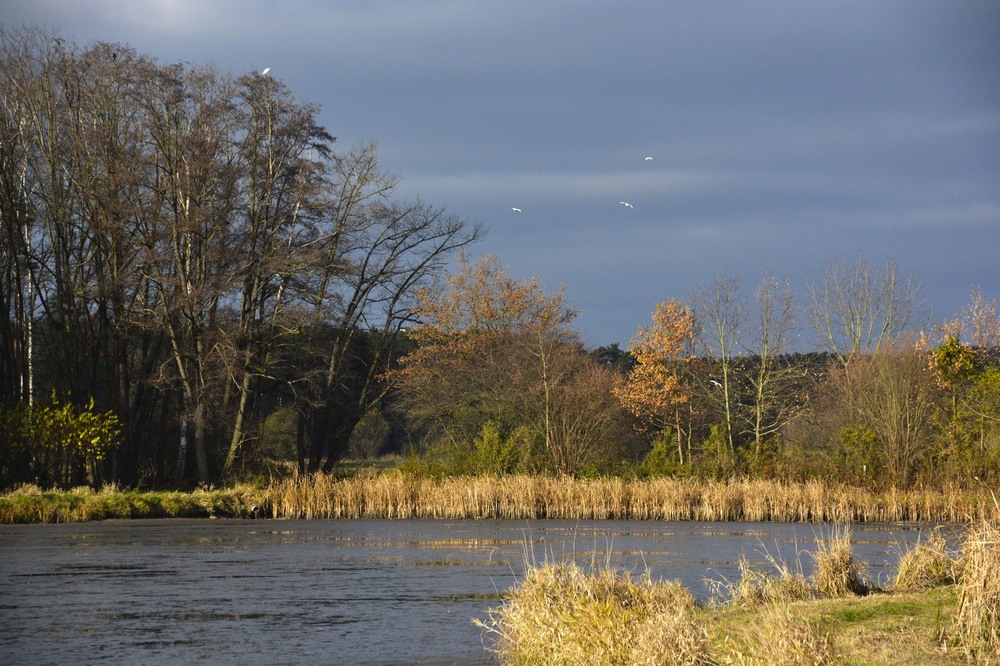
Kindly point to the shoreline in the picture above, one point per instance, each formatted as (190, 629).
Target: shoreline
(393, 495)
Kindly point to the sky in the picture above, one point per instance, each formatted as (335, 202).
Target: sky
(784, 135)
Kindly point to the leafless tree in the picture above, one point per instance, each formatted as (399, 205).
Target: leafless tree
(855, 310)
(892, 392)
(721, 311)
(773, 382)
(372, 255)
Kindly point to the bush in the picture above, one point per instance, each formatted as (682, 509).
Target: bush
(63, 442)
(662, 458)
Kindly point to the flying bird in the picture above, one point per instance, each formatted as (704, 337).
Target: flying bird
(626, 204)
(516, 210)
(648, 158)
(266, 70)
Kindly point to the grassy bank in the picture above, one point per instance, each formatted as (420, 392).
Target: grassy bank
(932, 614)
(30, 504)
(396, 495)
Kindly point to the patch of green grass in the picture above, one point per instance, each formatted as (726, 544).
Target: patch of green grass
(32, 505)
(891, 628)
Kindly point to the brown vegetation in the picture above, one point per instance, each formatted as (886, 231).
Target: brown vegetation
(561, 614)
(398, 495)
(926, 565)
(976, 629)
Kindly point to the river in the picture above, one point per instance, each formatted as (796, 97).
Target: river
(339, 592)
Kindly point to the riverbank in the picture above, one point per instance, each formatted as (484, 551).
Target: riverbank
(942, 609)
(31, 504)
(395, 495)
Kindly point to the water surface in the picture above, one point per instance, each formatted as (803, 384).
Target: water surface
(338, 592)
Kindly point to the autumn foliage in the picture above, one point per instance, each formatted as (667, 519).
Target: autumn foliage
(497, 360)
(653, 387)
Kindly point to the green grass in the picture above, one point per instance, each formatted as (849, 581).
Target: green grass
(562, 614)
(30, 504)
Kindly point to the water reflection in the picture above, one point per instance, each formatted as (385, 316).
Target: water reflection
(338, 592)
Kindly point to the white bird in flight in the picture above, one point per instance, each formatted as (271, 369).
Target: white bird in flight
(516, 210)
(266, 70)
(626, 204)
(648, 158)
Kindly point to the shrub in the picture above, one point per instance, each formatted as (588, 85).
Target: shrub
(63, 442)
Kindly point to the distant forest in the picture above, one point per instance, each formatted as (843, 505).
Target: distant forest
(198, 287)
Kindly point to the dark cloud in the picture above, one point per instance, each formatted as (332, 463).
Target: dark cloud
(784, 134)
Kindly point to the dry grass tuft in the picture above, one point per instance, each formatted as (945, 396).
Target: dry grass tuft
(836, 573)
(562, 614)
(781, 638)
(926, 565)
(976, 628)
(670, 637)
(754, 588)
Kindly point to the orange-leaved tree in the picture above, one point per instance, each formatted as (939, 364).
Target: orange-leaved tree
(652, 391)
(495, 351)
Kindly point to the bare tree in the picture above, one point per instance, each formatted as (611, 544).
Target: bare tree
(857, 311)
(773, 398)
(372, 256)
(892, 392)
(186, 248)
(16, 290)
(721, 311)
(283, 155)
(177, 243)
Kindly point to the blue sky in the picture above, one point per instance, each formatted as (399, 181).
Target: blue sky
(784, 135)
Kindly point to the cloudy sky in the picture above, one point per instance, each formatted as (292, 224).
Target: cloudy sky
(784, 135)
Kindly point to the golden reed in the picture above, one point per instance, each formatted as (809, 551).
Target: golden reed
(398, 495)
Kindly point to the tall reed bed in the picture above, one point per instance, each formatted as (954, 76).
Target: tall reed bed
(398, 495)
(976, 629)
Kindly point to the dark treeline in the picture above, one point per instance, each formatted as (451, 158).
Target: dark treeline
(184, 251)
(198, 287)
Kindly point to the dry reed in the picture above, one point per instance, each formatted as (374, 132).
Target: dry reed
(926, 565)
(754, 588)
(976, 627)
(398, 495)
(561, 614)
(836, 573)
(781, 638)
